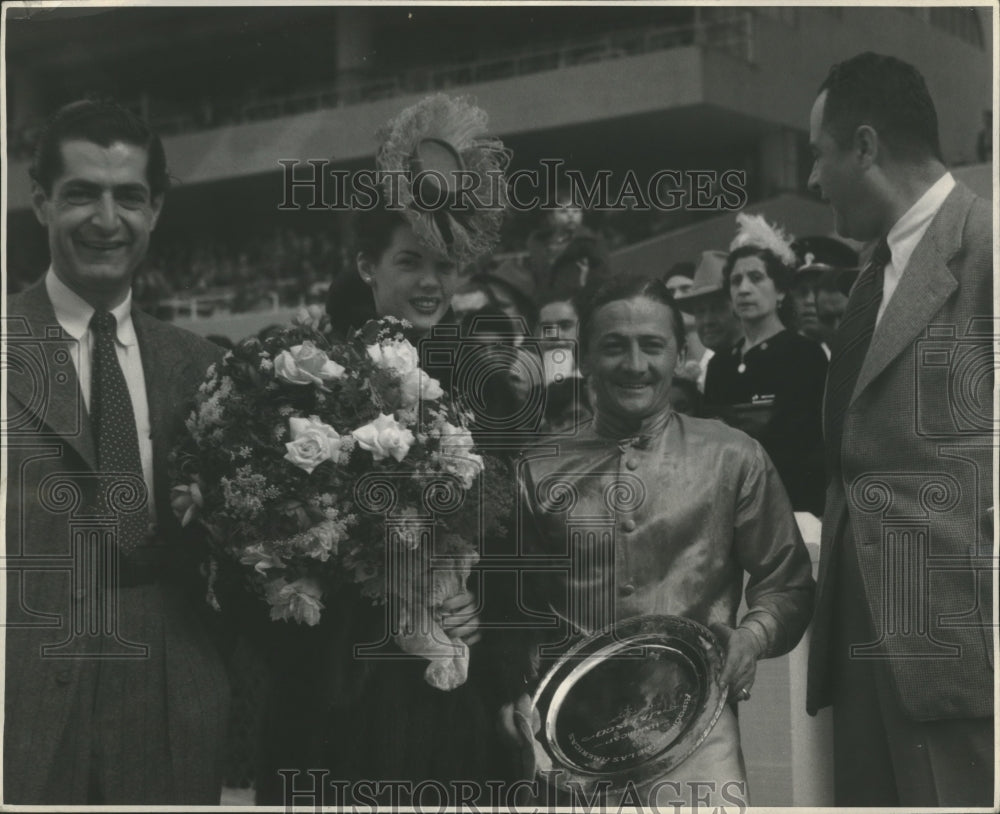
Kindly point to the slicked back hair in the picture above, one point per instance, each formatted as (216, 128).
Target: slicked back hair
(890, 96)
(629, 287)
(103, 122)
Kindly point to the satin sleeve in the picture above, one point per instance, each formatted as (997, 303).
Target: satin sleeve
(780, 586)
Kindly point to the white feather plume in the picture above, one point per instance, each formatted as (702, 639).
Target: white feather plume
(754, 230)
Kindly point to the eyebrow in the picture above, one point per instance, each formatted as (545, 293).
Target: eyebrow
(403, 253)
(82, 183)
(626, 337)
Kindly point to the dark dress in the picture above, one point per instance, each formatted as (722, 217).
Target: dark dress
(364, 719)
(777, 399)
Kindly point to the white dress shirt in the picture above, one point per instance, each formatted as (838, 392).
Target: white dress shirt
(73, 314)
(908, 231)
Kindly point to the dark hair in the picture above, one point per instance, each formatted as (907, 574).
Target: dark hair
(373, 227)
(781, 274)
(887, 94)
(587, 247)
(776, 270)
(561, 295)
(103, 122)
(350, 302)
(490, 320)
(629, 287)
(837, 280)
(684, 268)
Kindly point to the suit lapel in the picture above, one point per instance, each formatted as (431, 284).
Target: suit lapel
(160, 368)
(925, 286)
(42, 376)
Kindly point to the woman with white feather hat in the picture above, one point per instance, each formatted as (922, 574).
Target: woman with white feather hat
(771, 383)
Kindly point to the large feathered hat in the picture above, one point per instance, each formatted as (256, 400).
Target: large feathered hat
(437, 162)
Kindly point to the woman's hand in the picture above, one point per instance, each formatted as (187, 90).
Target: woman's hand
(741, 650)
(459, 618)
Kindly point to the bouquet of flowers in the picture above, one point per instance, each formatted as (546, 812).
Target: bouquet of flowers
(311, 462)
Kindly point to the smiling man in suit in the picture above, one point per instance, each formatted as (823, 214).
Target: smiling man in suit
(902, 642)
(115, 690)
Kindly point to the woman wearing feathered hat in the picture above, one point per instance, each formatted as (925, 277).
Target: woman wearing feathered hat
(364, 721)
(771, 384)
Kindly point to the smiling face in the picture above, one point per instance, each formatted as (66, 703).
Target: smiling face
(630, 357)
(99, 215)
(410, 281)
(754, 295)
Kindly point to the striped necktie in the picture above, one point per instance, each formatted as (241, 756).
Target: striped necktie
(117, 438)
(848, 351)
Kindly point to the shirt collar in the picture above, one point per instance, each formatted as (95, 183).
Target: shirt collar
(904, 236)
(633, 433)
(73, 312)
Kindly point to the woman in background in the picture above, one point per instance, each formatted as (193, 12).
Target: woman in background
(771, 384)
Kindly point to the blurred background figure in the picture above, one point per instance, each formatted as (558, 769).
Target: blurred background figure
(684, 395)
(584, 262)
(816, 256)
(707, 301)
(832, 292)
(508, 288)
(770, 385)
(567, 402)
(679, 281)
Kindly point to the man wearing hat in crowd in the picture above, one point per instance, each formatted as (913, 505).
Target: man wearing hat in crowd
(679, 280)
(817, 255)
(708, 301)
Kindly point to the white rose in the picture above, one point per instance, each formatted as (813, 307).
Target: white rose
(396, 355)
(306, 364)
(384, 437)
(312, 443)
(418, 385)
(457, 456)
(299, 600)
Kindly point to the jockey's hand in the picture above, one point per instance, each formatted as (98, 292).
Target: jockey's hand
(459, 618)
(741, 650)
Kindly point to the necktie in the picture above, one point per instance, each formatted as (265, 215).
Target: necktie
(849, 348)
(117, 437)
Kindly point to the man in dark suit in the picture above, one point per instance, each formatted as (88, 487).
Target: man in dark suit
(902, 642)
(115, 690)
